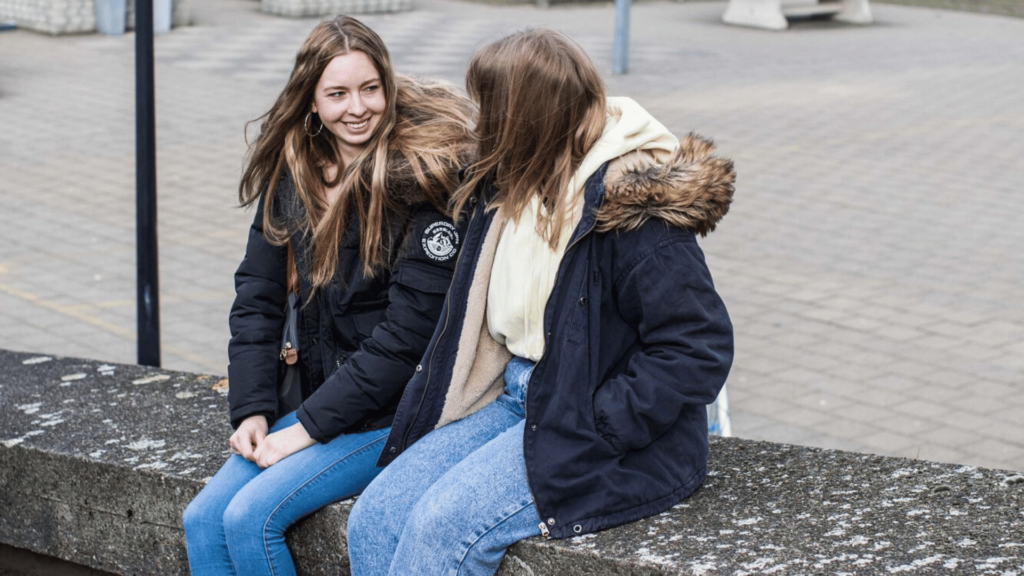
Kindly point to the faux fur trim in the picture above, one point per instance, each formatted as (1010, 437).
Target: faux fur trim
(692, 190)
(477, 375)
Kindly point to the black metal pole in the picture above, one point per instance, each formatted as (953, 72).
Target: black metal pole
(146, 256)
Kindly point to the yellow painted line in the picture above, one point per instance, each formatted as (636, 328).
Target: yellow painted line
(76, 313)
(71, 311)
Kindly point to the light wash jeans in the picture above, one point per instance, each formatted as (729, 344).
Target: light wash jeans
(455, 500)
(236, 523)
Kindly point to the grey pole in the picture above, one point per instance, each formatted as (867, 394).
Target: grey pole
(620, 52)
(146, 258)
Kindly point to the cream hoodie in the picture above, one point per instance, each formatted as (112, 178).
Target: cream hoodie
(525, 266)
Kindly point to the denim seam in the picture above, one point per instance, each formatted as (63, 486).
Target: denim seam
(291, 496)
(499, 522)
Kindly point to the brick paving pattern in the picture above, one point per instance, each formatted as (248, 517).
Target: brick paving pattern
(872, 261)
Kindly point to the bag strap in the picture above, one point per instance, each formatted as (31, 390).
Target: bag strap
(293, 272)
(290, 339)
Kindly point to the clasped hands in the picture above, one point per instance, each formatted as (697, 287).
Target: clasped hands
(251, 441)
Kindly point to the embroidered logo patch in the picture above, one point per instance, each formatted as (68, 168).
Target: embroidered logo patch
(440, 241)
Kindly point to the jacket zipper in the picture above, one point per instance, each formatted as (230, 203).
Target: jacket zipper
(543, 526)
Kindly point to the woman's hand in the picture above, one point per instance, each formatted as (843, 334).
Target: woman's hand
(249, 436)
(282, 444)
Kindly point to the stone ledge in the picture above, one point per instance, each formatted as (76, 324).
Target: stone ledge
(98, 461)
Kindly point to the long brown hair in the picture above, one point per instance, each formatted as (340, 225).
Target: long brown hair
(413, 109)
(542, 107)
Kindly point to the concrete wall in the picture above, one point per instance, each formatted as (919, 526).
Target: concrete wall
(74, 16)
(302, 8)
(1000, 7)
(51, 16)
(98, 461)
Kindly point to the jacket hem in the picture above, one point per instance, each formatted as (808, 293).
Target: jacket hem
(604, 522)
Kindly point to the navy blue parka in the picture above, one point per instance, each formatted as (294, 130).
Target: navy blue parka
(638, 342)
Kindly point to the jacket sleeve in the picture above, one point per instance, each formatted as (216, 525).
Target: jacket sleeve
(686, 344)
(256, 322)
(378, 371)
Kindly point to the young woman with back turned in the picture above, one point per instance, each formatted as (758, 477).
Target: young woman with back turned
(564, 389)
(350, 175)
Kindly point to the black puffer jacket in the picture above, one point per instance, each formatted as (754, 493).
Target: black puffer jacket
(360, 338)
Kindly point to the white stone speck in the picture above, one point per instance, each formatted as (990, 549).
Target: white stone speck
(12, 442)
(146, 444)
(96, 454)
(152, 466)
(184, 395)
(36, 360)
(29, 408)
(73, 377)
(152, 379)
(902, 472)
(747, 522)
(52, 422)
(700, 568)
(526, 568)
(913, 566)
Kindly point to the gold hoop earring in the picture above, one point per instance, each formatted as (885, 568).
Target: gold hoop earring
(306, 123)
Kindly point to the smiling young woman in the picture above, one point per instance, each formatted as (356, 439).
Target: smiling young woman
(350, 175)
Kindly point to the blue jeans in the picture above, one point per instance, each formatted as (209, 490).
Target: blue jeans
(455, 500)
(236, 523)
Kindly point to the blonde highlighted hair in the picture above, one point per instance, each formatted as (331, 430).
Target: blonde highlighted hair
(542, 107)
(426, 126)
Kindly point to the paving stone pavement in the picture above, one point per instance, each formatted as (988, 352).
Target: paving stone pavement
(871, 262)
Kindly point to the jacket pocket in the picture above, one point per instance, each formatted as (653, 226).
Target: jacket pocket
(423, 277)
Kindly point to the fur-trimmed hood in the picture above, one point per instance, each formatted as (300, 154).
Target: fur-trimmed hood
(692, 190)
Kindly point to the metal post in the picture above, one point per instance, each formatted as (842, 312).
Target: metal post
(146, 257)
(620, 52)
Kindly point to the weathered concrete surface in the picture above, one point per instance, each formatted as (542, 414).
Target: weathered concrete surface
(780, 509)
(98, 461)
